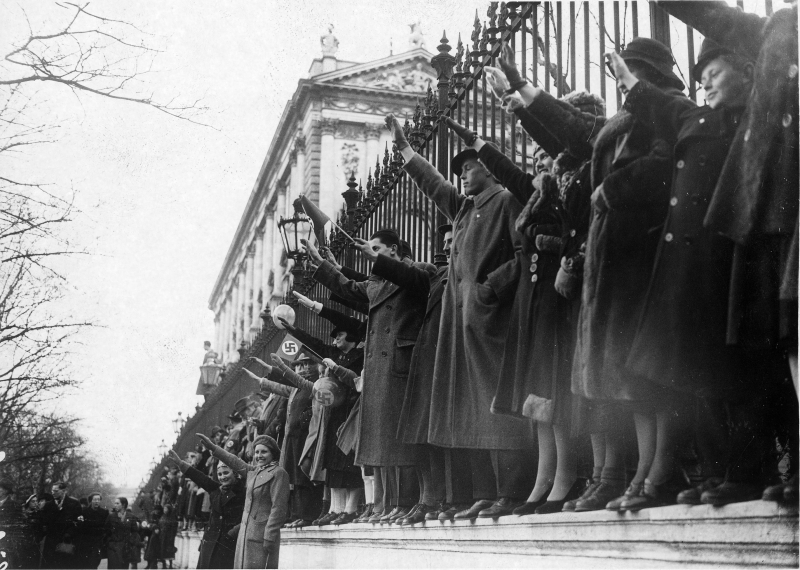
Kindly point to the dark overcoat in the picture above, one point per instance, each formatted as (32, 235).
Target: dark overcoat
(395, 317)
(122, 536)
(632, 166)
(299, 400)
(266, 508)
(415, 413)
(681, 340)
(474, 323)
(90, 537)
(755, 202)
(535, 376)
(217, 548)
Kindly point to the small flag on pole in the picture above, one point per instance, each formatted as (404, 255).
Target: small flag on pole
(290, 348)
(318, 218)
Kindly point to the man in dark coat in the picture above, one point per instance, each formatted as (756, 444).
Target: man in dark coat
(395, 317)
(473, 330)
(65, 527)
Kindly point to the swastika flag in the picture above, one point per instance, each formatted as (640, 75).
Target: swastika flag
(290, 348)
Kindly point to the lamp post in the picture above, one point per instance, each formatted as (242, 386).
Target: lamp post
(351, 196)
(162, 448)
(178, 423)
(292, 230)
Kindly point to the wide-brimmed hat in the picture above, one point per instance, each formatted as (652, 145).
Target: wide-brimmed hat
(655, 54)
(457, 162)
(444, 228)
(355, 331)
(302, 358)
(709, 51)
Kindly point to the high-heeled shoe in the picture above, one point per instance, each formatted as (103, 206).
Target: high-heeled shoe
(529, 508)
(557, 506)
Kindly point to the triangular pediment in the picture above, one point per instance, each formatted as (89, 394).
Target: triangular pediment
(409, 72)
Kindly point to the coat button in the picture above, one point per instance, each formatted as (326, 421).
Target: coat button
(384, 353)
(535, 257)
(680, 164)
(702, 121)
(668, 237)
(673, 201)
(787, 120)
(572, 233)
(792, 71)
(533, 267)
(534, 278)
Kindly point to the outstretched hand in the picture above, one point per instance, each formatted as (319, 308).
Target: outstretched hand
(174, 457)
(468, 136)
(330, 259)
(276, 359)
(205, 439)
(312, 251)
(257, 359)
(396, 129)
(508, 65)
(625, 78)
(286, 324)
(363, 246)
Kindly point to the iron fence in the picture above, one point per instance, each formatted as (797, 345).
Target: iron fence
(560, 46)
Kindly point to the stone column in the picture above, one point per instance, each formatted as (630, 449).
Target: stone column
(236, 309)
(277, 249)
(222, 346)
(299, 167)
(270, 235)
(247, 301)
(228, 332)
(373, 134)
(327, 168)
(245, 272)
(255, 322)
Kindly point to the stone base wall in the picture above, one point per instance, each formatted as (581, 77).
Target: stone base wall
(188, 545)
(755, 534)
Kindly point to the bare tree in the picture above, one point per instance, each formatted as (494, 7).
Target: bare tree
(88, 55)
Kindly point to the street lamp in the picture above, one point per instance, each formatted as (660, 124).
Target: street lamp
(179, 422)
(293, 230)
(162, 448)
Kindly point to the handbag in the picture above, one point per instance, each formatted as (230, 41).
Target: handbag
(65, 548)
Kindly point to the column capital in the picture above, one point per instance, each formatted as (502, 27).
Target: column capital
(373, 131)
(328, 126)
(251, 250)
(300, 143)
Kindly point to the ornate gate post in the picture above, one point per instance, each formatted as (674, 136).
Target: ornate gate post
(443, 63)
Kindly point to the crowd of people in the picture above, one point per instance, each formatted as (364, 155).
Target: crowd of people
(616, 329)
(55, 530)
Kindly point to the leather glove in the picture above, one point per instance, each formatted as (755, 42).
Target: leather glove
(286, 325)
(468, 136)
(568, 284)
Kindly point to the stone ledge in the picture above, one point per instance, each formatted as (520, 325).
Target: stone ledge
(753, 534)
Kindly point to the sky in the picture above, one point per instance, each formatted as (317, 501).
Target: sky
(159, 199)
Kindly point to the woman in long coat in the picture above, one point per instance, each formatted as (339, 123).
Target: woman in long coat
(631, 172)
(168, 530)
(218, 546)
(266, 504)
(122, 532)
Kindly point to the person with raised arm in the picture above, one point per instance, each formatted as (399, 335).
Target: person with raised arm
(227, 496)
(475, 315)
(306, 497)
(394, 319)
(535, 378)
(266, 502)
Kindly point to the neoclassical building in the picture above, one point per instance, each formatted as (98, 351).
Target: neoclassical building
(332, 126)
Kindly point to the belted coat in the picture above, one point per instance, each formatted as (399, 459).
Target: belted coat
(298, 416)
(266, 508)
(415, 413)
(395, 317)
(217, 549)
(474, 323)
